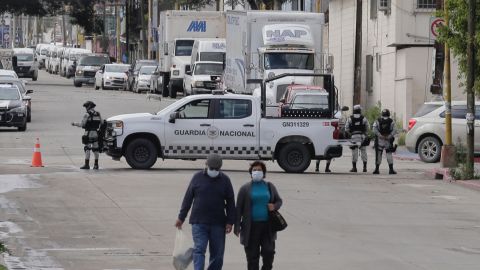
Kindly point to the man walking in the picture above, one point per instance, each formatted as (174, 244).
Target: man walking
(91, 123)
(213, 213)
(385, 131)
(357, 125)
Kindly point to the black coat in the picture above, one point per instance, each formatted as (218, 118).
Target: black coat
(243, 221)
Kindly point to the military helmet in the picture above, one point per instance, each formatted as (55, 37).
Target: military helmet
(89, 104)
(385, 113)
(357, 109)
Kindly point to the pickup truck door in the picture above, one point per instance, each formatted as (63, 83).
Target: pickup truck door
(235, 128)
(188, 136)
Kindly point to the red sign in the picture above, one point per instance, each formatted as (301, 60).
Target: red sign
(436, 24)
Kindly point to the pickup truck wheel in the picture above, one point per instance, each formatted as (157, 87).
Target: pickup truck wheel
(294, 158)
(141, 154)
(77, 84)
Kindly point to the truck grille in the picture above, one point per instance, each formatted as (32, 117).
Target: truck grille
(89, 73)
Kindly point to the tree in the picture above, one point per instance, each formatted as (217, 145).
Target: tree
(456, 35)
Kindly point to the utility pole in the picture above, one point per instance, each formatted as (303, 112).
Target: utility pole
(470, 90)
(117, 31)
(143, 35)
(127, 29)
(149, 27)
(105, 30)
(64, 30)
(357, 80)
(448, 150)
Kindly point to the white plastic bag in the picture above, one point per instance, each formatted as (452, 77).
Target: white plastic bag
(182, 251)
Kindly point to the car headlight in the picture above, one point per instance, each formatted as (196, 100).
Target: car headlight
(176, 72)
(79, 72)
(117, 128)
(109, 78)
(19, 111)
(199, 84)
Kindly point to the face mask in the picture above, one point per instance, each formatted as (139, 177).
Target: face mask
(384, 117)
(257, 175)
(356, 115)
(213, 173)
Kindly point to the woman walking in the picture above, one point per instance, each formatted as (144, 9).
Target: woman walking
(254, 202)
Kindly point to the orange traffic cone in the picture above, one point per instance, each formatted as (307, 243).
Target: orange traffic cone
(37, 155)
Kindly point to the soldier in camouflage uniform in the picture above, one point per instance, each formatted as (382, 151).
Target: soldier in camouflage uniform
(91, 123)
(385, 131)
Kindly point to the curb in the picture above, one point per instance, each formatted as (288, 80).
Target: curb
(440, 174)
(472, 184)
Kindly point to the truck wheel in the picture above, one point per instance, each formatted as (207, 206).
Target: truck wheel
(172, 90)
(294, 158)
(77, 84)
(141, 154)
(29, 116)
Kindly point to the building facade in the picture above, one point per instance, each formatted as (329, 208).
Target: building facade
(398, 57)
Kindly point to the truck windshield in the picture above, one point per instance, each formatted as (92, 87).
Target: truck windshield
(212, 56)
(93, 61)
(24, 57)
(183, 47)
(289, 61)
(147, 70)
(208, 69)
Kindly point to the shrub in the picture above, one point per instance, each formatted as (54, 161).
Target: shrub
(460, 172)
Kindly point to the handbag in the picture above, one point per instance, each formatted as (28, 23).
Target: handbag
(276, 220)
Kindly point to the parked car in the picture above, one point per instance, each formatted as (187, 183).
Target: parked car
(73, 56)
(13, 111)
(156, 82)
(18, 83)
(133, 72)
(204, 77)
(426, 130)
(112, 76)
(142, 82)
(6, 73)
(87, 67)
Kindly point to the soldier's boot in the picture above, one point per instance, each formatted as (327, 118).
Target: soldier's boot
(86, 166)
(316, 168)
(364, 166)
(377, 171)
(391, 171)
(95, 166)
(327, 168)
(354, 167)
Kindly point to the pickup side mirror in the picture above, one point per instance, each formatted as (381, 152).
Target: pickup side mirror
(14, 61)
(345, 108)
(282, 100)
(174, 116)
(27, 98)
(189, 73)
(29, 92)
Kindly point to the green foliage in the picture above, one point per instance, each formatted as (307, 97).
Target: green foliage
(456, 35)
(3, 248)
(3, 267)
(462, 169)
(372, 114)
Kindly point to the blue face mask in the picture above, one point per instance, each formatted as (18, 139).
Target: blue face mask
(212, 173)
(257, 175)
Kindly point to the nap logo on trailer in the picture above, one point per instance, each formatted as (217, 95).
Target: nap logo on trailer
(281, 35)
(197, 26)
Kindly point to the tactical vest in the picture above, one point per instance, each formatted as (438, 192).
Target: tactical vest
(93, 121)
(385, 126)
(357, 126)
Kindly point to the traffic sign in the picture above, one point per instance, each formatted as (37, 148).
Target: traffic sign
(436, 25)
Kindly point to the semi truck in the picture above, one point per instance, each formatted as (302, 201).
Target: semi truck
(263, 44)
(178, 31)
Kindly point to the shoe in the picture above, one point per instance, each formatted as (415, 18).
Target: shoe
(364, 166)
(377, 171)
(391, 171)
(354, 167)
(316, 169)
(327, 170)
(86, 166)
(95, 166)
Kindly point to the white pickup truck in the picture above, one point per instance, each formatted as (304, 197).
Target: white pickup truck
(231, 125)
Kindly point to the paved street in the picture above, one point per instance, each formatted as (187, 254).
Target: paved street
(59, 217)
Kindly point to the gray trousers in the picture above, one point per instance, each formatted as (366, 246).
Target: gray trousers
(358, 140)
(383, 145)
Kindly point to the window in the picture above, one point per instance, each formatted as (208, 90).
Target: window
(195, 109)
(233, 109)
(426, 4)
(369, 73)
(184, 47)
(477, 112)
(458, 112)
(289, 61)
(384, 5)
(373, 9)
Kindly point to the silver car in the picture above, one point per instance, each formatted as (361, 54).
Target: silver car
(426, 130)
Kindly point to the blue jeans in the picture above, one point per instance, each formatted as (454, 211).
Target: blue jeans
(214, 236)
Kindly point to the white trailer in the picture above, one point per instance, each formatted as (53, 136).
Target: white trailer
(178, 30)
(262, 44)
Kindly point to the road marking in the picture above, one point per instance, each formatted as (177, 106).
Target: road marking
(82, 249)
(446, 197)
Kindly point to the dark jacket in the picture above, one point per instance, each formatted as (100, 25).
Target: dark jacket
(244, 210)
(212, 198)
